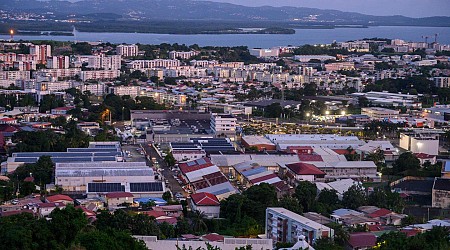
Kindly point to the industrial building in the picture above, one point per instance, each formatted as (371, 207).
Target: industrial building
(100, 178)
(96, 152)
(427, 143)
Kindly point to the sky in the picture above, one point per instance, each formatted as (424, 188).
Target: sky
(411, 8)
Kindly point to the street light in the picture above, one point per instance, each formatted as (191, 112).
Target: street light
(308, 114)
(343, 113)
(327, 112)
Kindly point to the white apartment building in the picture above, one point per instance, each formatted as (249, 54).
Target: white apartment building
(223, 124)
(358, 46)
(14, 75)
(156, 63)
(376, 113)
(99, 74)
(132, 91)
(97, 89)
(58, 62)
(182, 54)
(56, 73)
(53, 86)
(41, 52)
(203, 63)
(22, 66)
(340, 66)
(307, 58)
(126, 50)
(442, 82)
(110, 62)
(163, 97)
(283, 225)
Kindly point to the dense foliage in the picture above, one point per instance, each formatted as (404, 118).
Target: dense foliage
(67, 229)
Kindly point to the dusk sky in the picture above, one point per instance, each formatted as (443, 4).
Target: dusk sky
(412, 8)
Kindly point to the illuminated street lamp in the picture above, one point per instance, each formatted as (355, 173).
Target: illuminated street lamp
(327, 112)
(11, 32)
(343, 113)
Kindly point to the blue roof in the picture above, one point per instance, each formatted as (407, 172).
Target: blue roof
(447, 166)
(253, 171)
(158, 201)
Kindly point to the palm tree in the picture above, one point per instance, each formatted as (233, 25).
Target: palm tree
(198, 223)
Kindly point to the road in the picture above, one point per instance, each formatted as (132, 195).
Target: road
(173, 185)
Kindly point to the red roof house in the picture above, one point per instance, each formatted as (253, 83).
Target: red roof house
(362, 240)
(206, 203)
(213, 237)
(59, 198)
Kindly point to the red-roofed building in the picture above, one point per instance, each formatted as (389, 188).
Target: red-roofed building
(59, 198)
(361, 241)
(44, 209)
(302, 171)
(310, 158)
(379, 213)
(7, 120)
(90, 215)
(206, 203)
(212, 237)
(301, 150)
(117, 198)
(29, 179)
(425, 157)
(195, 165)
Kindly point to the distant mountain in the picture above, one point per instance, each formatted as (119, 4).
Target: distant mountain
(204, 10)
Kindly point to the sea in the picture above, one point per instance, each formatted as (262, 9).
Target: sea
(301, 36)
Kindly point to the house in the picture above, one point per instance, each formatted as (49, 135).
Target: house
(59, 198)
(361, 241)
(386, 216)
(45, 209)
(301, 171)
(425, 158)
(212, 237)
(206, 203)
(115, 199)
(441, 193)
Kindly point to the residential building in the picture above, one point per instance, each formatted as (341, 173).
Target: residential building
(45, 209)
(361, 241)
(99, 74)
(340, 66)
(182, 54)
(132, 91)
(283, 225)
(115, 199)
(301, 171)
(127, 50)
(58, 62)
(307, 58)
(442, 81)
(60, 198)
(156, 63)
(205, 203)
(441, 193)
(42, 52)
(223, 125)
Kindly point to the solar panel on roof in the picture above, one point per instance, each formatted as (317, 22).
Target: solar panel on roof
(146, 187)
(105, 187)
(201, 161)
(191, 163)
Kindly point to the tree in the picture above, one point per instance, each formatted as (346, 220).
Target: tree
(66, 223)
(273, 110)
(290, 203)
(406, 161)
(198, 222)
(167, 196)
(306, 193)
(329, 199)
(327, 244)
(354, 197)
(170, 160)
